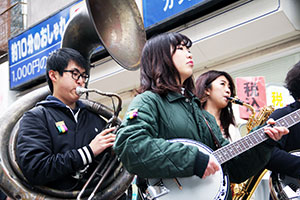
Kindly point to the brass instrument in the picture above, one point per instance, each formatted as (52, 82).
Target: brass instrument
(245, 190)
(118, 27)
(254, 120)
(112, 161)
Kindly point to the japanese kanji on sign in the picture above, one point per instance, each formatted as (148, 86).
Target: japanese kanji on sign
(251, 90)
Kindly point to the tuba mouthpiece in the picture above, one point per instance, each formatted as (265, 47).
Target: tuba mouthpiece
(80, 90)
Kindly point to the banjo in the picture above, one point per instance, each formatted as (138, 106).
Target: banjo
(213, 187)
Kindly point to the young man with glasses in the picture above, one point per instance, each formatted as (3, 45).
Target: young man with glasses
(60, 138)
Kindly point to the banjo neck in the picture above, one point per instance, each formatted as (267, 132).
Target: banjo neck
(231, 150)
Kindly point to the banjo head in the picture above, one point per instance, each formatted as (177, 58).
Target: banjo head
(192, 188)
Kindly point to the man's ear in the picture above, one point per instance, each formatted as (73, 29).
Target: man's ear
(53, 75)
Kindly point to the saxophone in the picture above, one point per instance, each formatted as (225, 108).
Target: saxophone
(245, 190)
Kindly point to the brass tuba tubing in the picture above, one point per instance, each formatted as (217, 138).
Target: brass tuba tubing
(81, 91)
(113, 160)
(110, 163)
(11, 180)
(92, 176)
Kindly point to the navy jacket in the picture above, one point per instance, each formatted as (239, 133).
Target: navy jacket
(53, 143)
(281, 160)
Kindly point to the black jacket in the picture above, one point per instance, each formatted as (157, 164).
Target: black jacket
(53, 142)
(281, 160)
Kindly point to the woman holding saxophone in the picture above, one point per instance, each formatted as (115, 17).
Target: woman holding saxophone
(213, 89)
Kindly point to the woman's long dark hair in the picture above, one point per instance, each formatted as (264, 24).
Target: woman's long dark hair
(203, 83)
(158, 72)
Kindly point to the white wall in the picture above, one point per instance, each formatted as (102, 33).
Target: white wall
(6, 96)
(40, 9)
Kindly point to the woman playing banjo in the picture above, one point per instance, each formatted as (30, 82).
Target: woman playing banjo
(166, 108)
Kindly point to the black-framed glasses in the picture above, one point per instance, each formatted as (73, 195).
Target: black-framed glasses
(76, 75)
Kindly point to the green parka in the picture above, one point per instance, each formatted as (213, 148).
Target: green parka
(152, 119)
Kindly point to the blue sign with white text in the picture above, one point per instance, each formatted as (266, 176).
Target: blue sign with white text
(29, 51)
(155, 11)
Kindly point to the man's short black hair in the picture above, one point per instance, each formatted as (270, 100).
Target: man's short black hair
(59, 60)
(292, 81)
